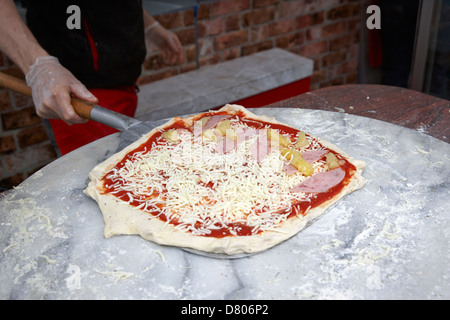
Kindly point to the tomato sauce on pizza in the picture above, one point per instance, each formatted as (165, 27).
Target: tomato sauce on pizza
(224, 175)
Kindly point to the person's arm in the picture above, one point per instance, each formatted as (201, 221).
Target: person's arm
(15, 36)
(159, 38)
(148, 19)
(52, 84)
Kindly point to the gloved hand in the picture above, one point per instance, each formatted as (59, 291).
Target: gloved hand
(159, 38)
(52, 86)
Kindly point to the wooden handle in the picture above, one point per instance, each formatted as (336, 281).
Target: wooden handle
(82, 108)
(14, 84)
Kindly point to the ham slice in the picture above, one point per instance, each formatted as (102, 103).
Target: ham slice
(246, 133)
(289, 168)
(308, 156)
(261, 147)
(215, 120)
(198, 129)
(321, 182)
(314, 155)
(225, 145)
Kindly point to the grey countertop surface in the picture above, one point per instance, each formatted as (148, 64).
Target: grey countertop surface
(389, 240)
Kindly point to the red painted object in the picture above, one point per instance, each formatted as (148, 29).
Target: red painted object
(92, 46)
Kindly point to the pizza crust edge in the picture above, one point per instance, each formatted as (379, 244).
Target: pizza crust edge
(123, 219)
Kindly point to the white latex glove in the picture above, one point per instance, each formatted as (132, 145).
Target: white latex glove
(160, 39)
(52, 87)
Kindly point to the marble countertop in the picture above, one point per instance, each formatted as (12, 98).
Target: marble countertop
(155, 7)
(389, 240)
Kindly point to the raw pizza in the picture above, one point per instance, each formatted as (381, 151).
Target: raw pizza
(225, 181)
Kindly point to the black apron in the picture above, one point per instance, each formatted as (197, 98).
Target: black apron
(109, 48)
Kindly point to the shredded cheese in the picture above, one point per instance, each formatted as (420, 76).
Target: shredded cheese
(199, 190)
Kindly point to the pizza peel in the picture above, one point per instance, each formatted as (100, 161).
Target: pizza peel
(132, 129)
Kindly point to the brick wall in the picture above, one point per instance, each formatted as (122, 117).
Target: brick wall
(326, 31)
(24, 143)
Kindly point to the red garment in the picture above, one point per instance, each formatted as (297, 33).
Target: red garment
(69, 138)
(375, 44)
(375, 48)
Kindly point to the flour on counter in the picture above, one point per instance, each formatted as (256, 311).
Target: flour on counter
(117, 275)
(390, 240)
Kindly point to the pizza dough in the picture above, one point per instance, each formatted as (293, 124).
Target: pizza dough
(236, 191)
